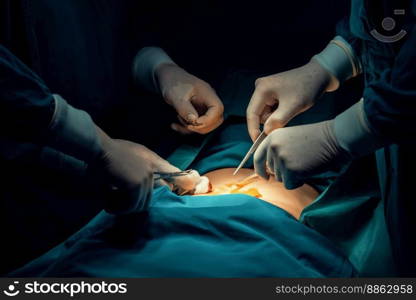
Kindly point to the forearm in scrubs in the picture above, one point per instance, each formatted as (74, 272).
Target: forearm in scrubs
(31, 113)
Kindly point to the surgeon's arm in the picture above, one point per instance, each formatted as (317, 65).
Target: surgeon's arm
(387, 111)
(278, 98)
(29, 112)
(341, 56)
(385, 115)
(197, 104)
(26, 104)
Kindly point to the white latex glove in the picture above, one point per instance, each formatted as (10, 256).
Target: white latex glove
(198, 106)
(128, 167)
(180, 184)
(280, 97)
(193, 183)
(127, 171)
(293, 154)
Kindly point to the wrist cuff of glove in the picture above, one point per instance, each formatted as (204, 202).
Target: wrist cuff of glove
(353, 132)
(339, 59)
(73, 132)
(145, 64)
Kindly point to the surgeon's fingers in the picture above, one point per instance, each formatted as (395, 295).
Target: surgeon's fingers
(204, 129)
(260, 103)
(161, 182)
(147, 190)
(212, 117)
(184, 183)
(186, 110)
(253, 112)
(285, 111)
(290, 179)
(260, 157)
(253, 125)
(208, 122)
(273, 164)
(180, 129)
(276, 169)
(267, 112)
(188, 182)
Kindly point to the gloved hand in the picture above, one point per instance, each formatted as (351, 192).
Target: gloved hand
(280, 97)
(126, 172)
(128, 168)
(293, 154)
(191, 183)
(198, 106)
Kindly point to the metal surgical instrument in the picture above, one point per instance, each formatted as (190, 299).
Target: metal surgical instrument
(252, 149)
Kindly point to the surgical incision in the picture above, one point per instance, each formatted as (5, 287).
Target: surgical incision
(239, 187)
(246, 182)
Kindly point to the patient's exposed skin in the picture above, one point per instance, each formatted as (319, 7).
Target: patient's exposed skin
(293, 201)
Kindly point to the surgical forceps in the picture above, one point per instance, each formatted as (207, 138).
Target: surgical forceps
(170, 176)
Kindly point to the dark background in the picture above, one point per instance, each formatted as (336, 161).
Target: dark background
(267, 36)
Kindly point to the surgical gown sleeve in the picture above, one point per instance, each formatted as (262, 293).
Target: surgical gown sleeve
(31, 113)
(390, 101)
(343, 29)
(145, 64)
(26, 104)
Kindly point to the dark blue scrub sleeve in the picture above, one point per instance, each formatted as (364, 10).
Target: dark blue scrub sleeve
(26, 104)
(343, 29)
(29, 112)
(390, 101)
(389, 73)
